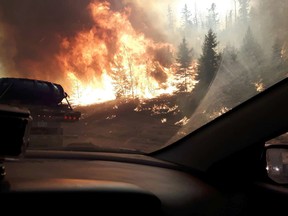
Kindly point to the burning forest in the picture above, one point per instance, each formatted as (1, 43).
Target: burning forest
(167, 55)
(113, 60)
(98, 56)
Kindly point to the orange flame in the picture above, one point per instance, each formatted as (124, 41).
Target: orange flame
(113, 60)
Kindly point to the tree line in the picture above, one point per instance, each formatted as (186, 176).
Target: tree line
(253, 63)
(241, 52)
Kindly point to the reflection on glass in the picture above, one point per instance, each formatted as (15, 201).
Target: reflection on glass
(277, 165)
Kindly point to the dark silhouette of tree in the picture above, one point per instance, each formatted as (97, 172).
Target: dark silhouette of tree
(120, 81)
(195, 19)
(184, 56)
(253, 60)
(229, 19)
(277, 55)
(171, 20)
(244, 11)
(230, 54)
(184, 59)
(235, 10)
(123, 80)
(212, 18)
(251, 52)
(186, 20)
(279, 62)
(209, 61)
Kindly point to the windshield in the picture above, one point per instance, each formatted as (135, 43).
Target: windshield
(135, 75)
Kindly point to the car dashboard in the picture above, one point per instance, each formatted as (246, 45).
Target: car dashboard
(129, 184)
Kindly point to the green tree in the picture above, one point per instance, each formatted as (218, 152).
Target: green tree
(184, 60)
(184, 55)
(209, 61)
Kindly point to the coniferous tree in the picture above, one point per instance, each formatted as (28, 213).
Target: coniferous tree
(186, 20)
(171, 21)
(235, 11)
(253, 60)
(209, 61)
(251, 52)
(244, 11)
(184, 59)
(230, 54)
(195, 19)
(212, 18)
(279, 62)
(229, 20)
(184, 56)
(277, 58)
(120, 80)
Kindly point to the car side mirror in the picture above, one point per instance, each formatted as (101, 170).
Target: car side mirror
(277, 162)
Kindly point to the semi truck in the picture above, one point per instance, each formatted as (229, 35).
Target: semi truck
(48, 105)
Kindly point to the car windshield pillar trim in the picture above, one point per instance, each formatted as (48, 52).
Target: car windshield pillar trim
(260, 118)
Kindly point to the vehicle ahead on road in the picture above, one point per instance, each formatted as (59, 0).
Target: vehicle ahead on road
(180, 114)
(47, 103)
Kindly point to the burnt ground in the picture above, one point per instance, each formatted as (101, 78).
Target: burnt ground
(126, 124)
(151, 124)
(130, 124)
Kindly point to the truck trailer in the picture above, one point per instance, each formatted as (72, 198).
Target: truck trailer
(48, 104)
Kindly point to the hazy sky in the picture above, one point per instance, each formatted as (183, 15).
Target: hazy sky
(223, 7)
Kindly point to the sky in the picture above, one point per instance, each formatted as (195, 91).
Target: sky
(158, 10)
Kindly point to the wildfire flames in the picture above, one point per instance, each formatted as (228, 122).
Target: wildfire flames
(113, 60)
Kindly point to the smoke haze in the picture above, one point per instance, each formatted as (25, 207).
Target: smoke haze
(32, 31)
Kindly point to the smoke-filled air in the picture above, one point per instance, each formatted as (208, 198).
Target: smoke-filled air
(104, 50)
